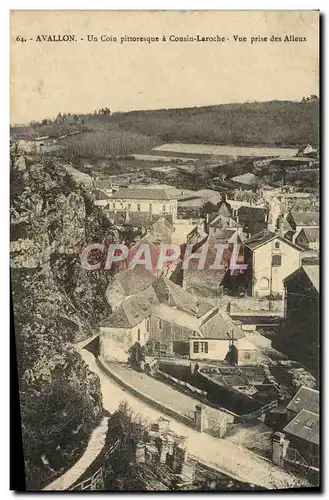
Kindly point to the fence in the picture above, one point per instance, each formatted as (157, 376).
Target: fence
(182, 383)
(261, 411)
(96, 481)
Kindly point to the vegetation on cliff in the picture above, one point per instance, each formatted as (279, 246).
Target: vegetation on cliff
(56, 302)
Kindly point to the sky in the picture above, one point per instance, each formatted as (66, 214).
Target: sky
(79, 77)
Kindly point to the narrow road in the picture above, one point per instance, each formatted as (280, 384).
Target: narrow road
(95, 446)
(235, 461)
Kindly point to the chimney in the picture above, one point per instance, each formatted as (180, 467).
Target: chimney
(200, 418)
(206, 223)
(279, 448)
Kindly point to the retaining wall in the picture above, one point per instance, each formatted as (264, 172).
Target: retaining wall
(144, 397)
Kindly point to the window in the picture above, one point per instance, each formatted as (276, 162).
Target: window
(147, 325)
(200, 347)
(264, 284)
(150, 207)
(159, 324)
(247, 355)
(277, 245)
(138, 335)
(276, 260)
(129, 206)
(204, 347)
(113, 205)
(157, 346)
(163, 208)
(138, 207)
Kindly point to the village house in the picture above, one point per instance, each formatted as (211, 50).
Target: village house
(224, 208)
(139, 207)
(252, 219)
(219, 333)
(303, 428)
(167, 321)
(302, 303)
(304, 399)
(197, 203)
(271, 258)
(127, 283)
(309, 238)
(214, 224)
(300, 220)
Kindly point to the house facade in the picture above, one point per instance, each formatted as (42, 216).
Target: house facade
(271, 258)
(167, 320)
(135, 206)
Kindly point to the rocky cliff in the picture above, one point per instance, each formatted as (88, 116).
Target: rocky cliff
(56, 302)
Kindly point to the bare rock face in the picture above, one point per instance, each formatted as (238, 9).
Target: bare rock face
(67, 224)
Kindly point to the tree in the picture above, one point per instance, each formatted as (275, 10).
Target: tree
(136, 355)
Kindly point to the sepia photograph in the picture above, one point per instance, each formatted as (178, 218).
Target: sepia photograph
(165, 249)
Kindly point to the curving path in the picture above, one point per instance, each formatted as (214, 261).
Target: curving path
(235, 461)
(95, 446)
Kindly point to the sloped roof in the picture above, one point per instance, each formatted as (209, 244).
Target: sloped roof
(222, 236)
(305, 399)
(312, 233)
(259, 239)
(180, 318)
(246, 345)
(305, 218)
(313, 272)
(264, 237)
(162, 229)
(135, 280)
(179, 297)
(224, 208)
(101, 195)
(132, 310)
(249, 179)
(222, 221)
(305, 425)
(218, 327)
(251, 214)
(141, 194)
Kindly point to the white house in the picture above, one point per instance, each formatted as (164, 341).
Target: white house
(168, 321)
(271, 259)
(150, 202)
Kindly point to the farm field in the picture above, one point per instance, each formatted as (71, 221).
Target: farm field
(161, 158)
(212, 149)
